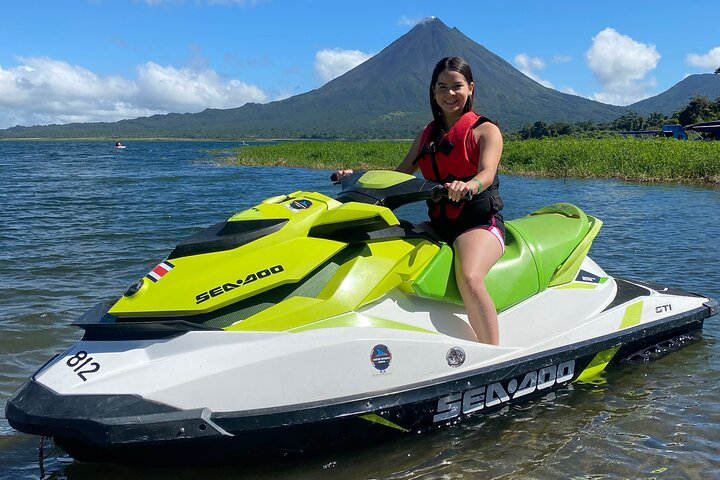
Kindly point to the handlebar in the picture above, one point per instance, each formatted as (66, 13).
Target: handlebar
(395, 194)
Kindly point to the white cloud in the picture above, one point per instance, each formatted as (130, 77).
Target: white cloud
(570, 91)
(186, 90)
(412, 21)
(621, 64)
(709, 60)
(528, 65)
(44, 90)
(331, 63)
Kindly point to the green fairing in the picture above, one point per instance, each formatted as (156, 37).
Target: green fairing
(381, 179)
(536, 248)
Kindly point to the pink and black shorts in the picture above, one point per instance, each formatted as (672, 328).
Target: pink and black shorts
(449, 229)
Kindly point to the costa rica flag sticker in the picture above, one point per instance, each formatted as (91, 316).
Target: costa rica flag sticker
(160, 270)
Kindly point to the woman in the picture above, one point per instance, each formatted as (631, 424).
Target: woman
(462, 150)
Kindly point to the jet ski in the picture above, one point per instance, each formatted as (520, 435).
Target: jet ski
(307, 323)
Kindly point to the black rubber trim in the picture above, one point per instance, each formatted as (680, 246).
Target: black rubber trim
(226, 236)
(713, 305)
(371, 230)
(100, 325)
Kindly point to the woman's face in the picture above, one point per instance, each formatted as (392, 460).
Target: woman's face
(452, 92)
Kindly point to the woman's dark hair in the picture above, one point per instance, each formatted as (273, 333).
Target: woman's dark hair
(453, 64)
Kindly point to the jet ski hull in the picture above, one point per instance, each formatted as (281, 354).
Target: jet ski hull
(142, 431)
(305, 324)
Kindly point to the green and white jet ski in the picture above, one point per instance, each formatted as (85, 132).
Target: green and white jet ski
(308, 322)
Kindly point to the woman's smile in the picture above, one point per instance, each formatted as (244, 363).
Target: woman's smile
(452, 92)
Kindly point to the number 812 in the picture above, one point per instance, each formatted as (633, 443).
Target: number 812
(82, 364)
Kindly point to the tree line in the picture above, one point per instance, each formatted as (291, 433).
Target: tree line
(700, 109)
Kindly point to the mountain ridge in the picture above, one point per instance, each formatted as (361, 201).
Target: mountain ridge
(677, 97)
(384, 97)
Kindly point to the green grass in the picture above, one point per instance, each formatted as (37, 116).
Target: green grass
(643, 160)
(323, 155)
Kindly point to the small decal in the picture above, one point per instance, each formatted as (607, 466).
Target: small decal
(663, 308)
(455, 357)
(297, 205)
(584, 276)
(160, 271)
(381, 357)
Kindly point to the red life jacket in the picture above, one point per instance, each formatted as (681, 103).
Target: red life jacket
(453, 156)
(460, 162)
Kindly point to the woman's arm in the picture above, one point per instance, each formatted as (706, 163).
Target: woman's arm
(490, 144)
(407, 166)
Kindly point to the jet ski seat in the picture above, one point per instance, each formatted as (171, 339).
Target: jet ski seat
(536, 248)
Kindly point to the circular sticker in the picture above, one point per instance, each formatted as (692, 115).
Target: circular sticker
(455, 356)
(381, 357)
(301, 204)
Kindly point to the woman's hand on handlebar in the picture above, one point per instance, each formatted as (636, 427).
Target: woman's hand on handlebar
(343, 172)
(339, 174)
(458, 190)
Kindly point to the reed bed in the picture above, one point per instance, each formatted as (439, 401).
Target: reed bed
(323, 155)
(643, 160)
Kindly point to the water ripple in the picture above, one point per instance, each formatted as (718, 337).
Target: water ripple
(80, 222)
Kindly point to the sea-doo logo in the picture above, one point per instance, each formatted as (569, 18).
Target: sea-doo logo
(226, 287)
(496, 393)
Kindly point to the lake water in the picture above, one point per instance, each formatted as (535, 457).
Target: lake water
(81, 220)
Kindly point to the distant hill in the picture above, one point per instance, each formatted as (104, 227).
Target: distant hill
(384, 97)
(677, 97)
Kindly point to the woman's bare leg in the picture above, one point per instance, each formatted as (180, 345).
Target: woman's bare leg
(476, 251)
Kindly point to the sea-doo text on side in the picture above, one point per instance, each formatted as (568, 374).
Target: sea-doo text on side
(307, 322)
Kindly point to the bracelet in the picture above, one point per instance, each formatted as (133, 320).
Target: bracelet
(480, 187)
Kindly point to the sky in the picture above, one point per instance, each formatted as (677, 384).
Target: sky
(64, 61)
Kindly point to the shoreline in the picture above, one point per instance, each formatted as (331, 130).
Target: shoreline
(715, 182)
(175, 139)
(643, 161)
(130, 139)
(626, 159)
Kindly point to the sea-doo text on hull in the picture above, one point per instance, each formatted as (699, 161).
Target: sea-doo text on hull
(307, 322)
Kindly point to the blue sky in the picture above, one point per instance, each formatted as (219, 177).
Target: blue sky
(64, 61)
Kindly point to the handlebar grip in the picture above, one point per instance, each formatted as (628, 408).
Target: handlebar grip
(441, 192)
